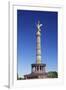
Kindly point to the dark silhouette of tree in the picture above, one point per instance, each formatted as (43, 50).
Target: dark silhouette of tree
(52, 74)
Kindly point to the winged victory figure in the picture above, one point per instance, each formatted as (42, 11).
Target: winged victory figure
(38, 26)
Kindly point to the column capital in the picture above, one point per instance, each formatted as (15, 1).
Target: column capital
(38, 33)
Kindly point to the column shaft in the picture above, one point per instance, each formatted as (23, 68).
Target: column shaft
(38, 48)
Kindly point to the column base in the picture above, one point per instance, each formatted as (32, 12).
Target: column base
(38, 71)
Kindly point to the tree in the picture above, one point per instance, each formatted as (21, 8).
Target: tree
(52, 74)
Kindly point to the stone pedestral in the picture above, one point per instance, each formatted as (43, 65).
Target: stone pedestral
(38, 68)
(38, 71)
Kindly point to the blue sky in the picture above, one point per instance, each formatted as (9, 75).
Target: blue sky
(26, 39)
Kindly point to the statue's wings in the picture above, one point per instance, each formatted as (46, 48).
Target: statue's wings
(40, 25)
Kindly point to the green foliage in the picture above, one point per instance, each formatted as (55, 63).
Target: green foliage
(52, 74)
(19, 78)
